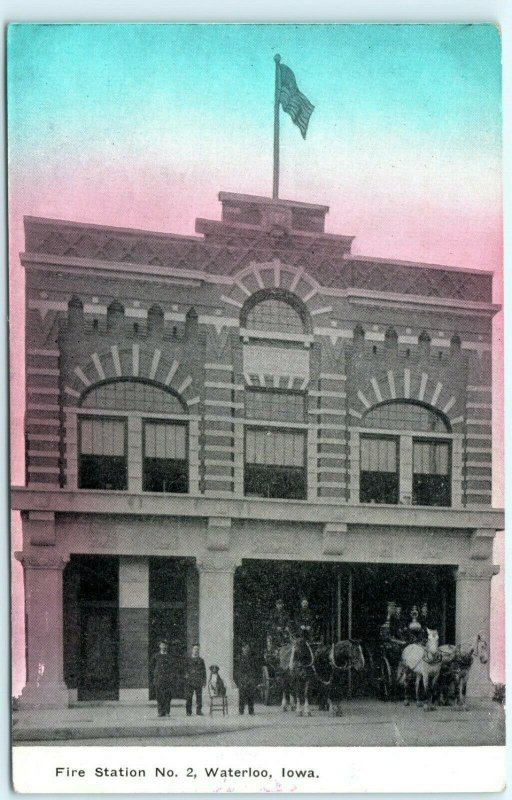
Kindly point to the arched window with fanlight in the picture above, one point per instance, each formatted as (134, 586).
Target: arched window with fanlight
(132, 434)
(405, 455)
(274, 315)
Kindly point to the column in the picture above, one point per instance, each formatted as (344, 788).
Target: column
(216, 584)
(133, 629)
(473, 611)
(44, 630)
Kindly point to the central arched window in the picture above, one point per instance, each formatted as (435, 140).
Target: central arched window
(124, 443)
(408, 458)
(274, 315)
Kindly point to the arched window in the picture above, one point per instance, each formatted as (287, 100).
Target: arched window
(402, 415)
(132, 395)
(107, 441)
(274, 315)
(406, 434)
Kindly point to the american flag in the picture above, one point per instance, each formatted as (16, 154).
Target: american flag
(293, 101)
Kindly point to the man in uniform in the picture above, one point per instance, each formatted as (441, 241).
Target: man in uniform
(246, 679)
(279, 624)
(195, 681)
(162, 679)
(396, 626)
(305, 620)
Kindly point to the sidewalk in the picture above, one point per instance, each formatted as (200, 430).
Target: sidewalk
(103, 722)
(364, 722)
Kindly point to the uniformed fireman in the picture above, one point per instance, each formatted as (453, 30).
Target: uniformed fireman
(279, 624)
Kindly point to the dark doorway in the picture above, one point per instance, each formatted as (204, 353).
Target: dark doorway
(168, 615)
(374, 585)
(98, 668)
(258, 584)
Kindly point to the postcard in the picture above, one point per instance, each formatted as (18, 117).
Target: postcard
(256, 407)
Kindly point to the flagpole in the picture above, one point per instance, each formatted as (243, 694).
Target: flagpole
(275, 186)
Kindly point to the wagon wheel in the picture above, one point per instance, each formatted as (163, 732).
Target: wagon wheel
(265, 686)
(385, 678)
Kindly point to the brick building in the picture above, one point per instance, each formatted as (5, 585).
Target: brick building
(217, 420)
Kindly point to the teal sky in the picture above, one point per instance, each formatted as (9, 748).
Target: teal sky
(87, 83)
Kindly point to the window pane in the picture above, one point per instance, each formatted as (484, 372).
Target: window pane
(378, 455)
(274, 315)
(431, 458)
(404, 416)
(286, 406)
(133, 396)
(165, 440)
(278, 448)
(86, 430)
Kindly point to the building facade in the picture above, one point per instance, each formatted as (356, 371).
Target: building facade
(215, 421)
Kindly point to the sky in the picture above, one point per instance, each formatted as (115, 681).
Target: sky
(143, 125)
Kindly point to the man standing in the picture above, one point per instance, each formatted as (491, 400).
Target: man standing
(246, 680)
(162, 679)
(195, 681)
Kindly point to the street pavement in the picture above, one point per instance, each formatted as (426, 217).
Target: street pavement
(364, 723)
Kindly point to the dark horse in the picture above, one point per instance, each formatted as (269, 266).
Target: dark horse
(282, 677)
(331, 665)
(297, 662)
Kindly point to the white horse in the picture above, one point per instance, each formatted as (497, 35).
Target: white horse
(425, 663)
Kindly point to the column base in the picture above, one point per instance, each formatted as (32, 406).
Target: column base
(49, 695)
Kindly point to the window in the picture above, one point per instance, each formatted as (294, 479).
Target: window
(431, 485)
(404, 416)
(274, 315)
(406, 467)
(102, 454)
(379, 470)
(275, 464)
(287, 406)
(165, 466)
(133, 396)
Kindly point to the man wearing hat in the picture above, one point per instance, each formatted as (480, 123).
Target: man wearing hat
(305, 620)
(195, 681)
(162, 679)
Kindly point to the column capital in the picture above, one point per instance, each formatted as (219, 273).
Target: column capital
(42, 560)
(477, 573)
(217, 566)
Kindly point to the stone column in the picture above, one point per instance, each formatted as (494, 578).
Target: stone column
(133, 629)
(216, 574)
(44, 630)
(473, 610)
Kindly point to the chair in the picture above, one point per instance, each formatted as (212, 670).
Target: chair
(217, 692)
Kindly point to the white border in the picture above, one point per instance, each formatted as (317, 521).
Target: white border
(499, 11)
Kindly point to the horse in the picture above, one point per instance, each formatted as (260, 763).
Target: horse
(457, 661)
(425, 662)
(297, 660)
(282, 676)
(331, 665)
